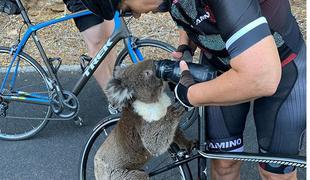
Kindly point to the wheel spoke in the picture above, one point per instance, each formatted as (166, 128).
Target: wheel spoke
(23, 120)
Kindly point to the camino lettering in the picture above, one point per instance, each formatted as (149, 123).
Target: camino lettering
(223, 145)
(203, 17)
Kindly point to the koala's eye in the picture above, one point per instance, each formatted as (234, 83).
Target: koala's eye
(147, 73)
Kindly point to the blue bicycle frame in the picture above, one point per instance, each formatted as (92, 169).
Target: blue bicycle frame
(120, 32)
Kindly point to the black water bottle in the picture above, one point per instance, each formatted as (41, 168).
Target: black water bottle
(169, 70)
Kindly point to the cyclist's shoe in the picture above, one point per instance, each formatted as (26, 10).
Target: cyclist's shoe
(84, 61)
(113, 110)
(9, 7)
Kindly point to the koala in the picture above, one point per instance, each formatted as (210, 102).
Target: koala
(147, 127)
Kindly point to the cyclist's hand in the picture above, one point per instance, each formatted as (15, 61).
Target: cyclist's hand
(183, 52)
(181, 89)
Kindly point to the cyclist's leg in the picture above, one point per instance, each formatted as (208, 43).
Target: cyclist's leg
(281, 119)
(95, 37)
(225, 127)
(95, 32)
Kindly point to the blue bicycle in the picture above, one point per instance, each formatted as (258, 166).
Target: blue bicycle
(31, 93)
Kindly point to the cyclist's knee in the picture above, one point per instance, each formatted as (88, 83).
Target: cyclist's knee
(94, 43)
(225, 167)
(272, 168)
(95, 36)
(275, 175)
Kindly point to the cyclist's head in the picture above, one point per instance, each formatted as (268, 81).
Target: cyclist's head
(106, 8)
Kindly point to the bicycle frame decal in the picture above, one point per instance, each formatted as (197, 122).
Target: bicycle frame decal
(120, 32)
(97, 58)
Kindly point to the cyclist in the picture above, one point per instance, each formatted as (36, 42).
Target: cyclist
(95, 31)
(241, 33)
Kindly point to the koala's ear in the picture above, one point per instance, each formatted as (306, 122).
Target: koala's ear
(117, 93)
(118, 71)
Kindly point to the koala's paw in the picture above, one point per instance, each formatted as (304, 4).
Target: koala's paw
(176, 109)
(189, 145)
(185, 143)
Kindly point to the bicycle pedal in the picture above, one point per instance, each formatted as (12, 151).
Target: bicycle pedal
(78, 121)
(84, 61)
(56, 62)
(3, 108)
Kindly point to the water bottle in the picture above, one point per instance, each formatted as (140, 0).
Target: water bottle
(169, 70)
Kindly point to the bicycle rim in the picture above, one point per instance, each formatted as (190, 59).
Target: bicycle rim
(98, 136)
(31, 78)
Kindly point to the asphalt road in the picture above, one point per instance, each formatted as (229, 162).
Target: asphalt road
(54, 153)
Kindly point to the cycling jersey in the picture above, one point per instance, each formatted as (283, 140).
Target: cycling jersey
(226, 28)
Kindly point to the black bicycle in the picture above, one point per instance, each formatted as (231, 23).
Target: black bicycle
(176, 163)
(31, 93)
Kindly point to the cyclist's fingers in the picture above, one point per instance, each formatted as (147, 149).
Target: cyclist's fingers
(183, 66)
(136, 15)
(177, 55)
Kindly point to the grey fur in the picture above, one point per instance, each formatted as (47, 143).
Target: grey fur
(134, 141)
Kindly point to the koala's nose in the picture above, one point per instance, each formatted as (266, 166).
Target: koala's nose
(148, 73)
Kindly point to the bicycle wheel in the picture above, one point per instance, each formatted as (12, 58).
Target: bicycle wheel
(154, 49)
(23, 120)
(100, 133)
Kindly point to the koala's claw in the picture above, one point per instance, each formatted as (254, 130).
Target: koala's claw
(189, 145)
(177, 104)
(176, 109)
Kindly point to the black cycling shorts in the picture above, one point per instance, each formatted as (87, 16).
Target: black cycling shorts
(85, 22)
(280, 119)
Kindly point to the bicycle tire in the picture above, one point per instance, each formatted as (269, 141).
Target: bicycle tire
(188, 118)
(21, 116)
(102, 127)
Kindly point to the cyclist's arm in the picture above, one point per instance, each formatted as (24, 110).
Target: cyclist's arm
(254, 73)
(255, 64)
(183, 38)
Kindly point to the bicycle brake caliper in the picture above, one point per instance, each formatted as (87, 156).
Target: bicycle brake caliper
(13, 49)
